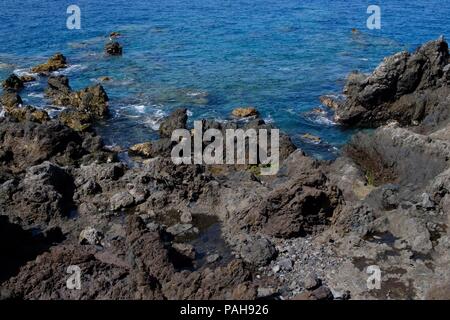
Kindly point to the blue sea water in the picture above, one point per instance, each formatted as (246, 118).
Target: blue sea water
(214, 55)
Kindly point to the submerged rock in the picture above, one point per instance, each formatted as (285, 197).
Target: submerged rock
(114, 34)
(312, 138)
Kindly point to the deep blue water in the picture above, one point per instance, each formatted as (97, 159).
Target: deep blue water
(214, 55)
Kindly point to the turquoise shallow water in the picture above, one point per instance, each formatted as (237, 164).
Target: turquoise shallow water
(212, 56)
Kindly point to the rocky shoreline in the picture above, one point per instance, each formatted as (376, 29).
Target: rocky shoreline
(162, 231)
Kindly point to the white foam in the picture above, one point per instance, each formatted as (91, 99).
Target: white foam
(24, 72)
(32, 84)
(154, 120)
(324, 120)
(70, 69)
(269, 119)
(139, 108)
(36, 95)
(197, 94)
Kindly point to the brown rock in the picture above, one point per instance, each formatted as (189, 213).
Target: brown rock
(58, 61)
(13, 83)
(142, 149)
(27, 113)
(245, 112)
(330, 102)
(27, 78)
(312, 138)
(10, 99)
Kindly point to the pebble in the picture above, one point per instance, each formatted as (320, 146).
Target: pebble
(213, 258)
(311, 282)
(186, 217)
(285, 264)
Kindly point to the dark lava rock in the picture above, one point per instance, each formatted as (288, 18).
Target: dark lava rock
(13, 82)
(176, 120)
(113, 49)
(404, 87)
(44, 193)
(161, 147)
(257, 250)
(88, 104)
(302, 201)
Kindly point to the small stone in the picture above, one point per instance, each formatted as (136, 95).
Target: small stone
(312, 138)
(311, 282)
(264, 292)
(285, 264)
(427, 203)
(152, 226)
(276, 268)
(213, 258)
(180, 229)
(322, 293)
(186, 217)
(185, 249)
(90, 236)
(114, 34)
(104, 79)
(121, 200)
(141, 149)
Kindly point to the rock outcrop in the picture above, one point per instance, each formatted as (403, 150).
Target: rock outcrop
(113, 49)
(13, 82)
(409, 88)
(56, 62)
(87, 105)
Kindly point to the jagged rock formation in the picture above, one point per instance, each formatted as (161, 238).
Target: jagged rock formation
(408, 88)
